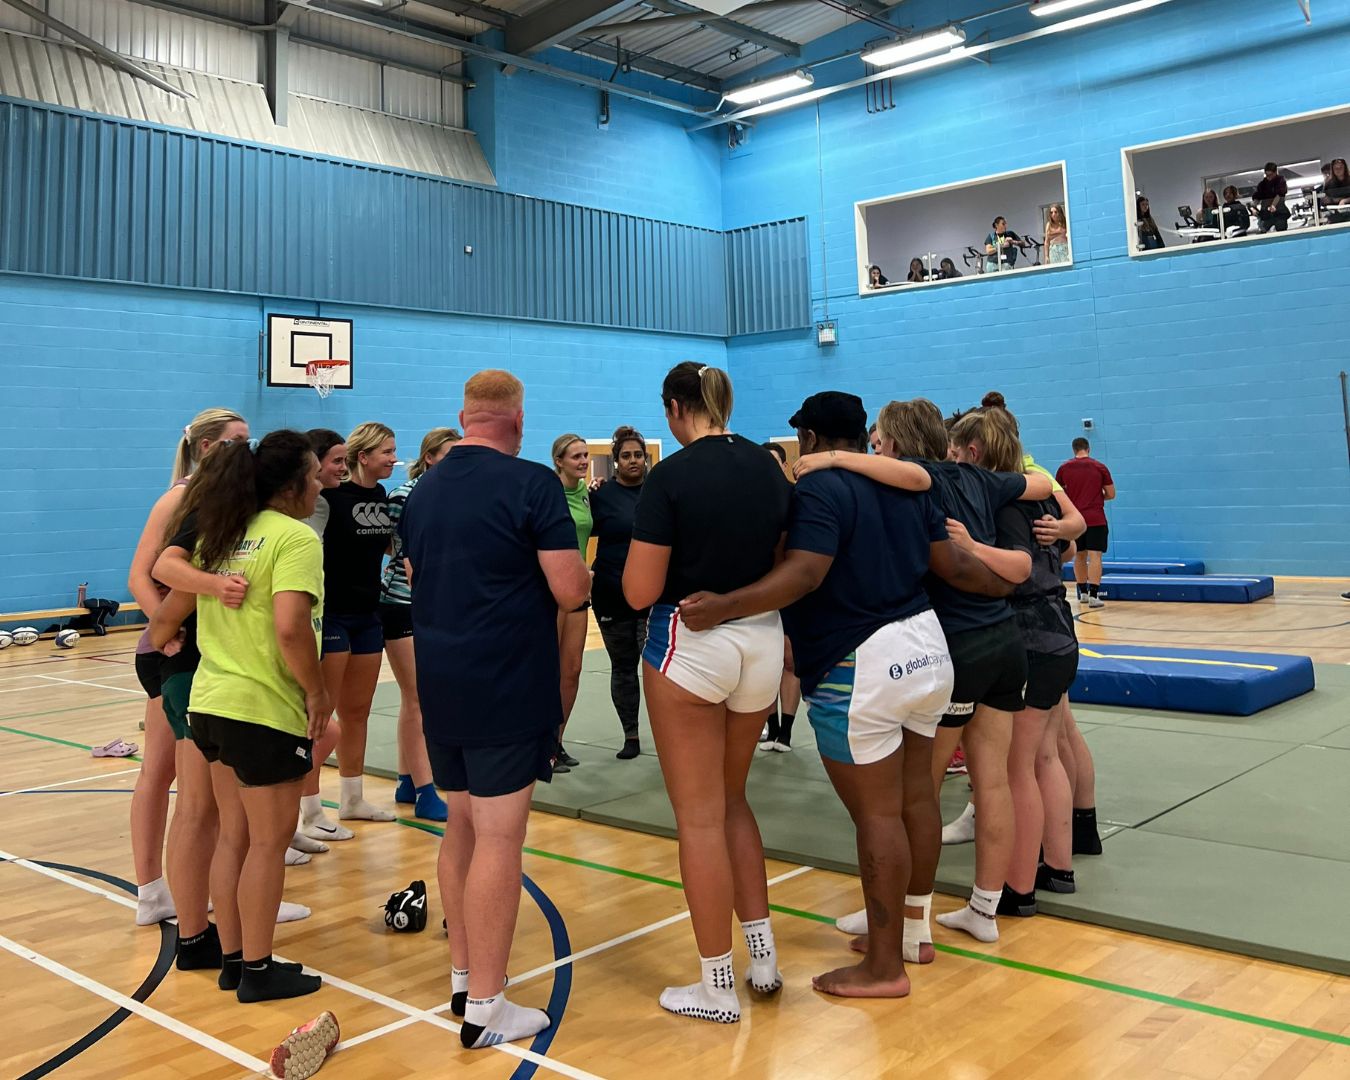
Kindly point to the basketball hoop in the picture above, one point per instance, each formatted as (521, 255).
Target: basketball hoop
(323, 375)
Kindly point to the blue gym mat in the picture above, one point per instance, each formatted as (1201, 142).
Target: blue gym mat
(1122, 566)
(1185, 589)
(1188, 680)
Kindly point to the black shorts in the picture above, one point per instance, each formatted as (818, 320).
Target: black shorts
(488, 771)
(989, 665)
(260, 756)
(359, 635)
(396, 619)
(1049, 678)
(1093, 538)
(147, 671)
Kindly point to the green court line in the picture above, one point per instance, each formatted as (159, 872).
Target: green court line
(952, 950)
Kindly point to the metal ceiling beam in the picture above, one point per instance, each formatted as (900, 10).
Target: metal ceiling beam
(559, 21)
(652, 65)
(731, 28)
(284, 19)
(104, 53)
(277, 60)
(469, 10)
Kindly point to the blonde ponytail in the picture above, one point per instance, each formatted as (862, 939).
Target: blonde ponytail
(206, 426)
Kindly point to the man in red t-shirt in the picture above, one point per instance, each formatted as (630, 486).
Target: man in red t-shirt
(1088, 484)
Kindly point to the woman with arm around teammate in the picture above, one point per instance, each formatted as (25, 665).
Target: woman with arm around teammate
(572, 463)
(258, 697)
(624, 630)
(355, 541)
(414, 769)
(150, 800)
(711, 518)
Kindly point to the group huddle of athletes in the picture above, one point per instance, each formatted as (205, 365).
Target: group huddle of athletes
(919, 587)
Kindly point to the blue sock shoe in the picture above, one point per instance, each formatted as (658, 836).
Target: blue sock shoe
(429, 805)
(405, 792)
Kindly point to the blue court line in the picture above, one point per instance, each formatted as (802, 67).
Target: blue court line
(562, 977)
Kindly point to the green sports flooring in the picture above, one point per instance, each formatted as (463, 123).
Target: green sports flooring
(1226, 832)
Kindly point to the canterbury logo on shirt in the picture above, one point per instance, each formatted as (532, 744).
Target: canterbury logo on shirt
(372, 517)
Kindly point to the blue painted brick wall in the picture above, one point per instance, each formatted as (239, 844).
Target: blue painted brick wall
(1211, 377)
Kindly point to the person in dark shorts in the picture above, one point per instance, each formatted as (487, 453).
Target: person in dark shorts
(492, 556)
(1042, 800)
(988, 659)
(613, 507)
(258, 697)
(415, 787)
(1089, 485)
(873, 660)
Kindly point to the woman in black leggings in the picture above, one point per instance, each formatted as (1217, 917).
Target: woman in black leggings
(623, 629)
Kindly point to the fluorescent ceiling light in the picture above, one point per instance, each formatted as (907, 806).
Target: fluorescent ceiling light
(927, 62)
(934, 41)
(779, 84)
(1094, 17)
(1046, 8)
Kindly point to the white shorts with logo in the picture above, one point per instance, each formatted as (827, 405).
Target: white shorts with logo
(739, 663)
(899, 679)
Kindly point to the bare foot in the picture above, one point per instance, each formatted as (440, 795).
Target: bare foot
(926, 951)
(860, 982)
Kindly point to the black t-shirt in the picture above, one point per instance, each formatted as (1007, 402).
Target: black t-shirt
(720, 505)
(354, 544)
(972, 496)
(188, 657)
(879, 537)
(485, 620)
(1038, 604)
(613, 508)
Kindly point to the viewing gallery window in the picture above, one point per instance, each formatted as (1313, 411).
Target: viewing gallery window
(1238, 184)
(1007, 223)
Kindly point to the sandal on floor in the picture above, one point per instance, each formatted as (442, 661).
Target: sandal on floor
(116, 748)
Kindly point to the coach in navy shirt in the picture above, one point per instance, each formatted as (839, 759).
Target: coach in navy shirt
(870, 653)
(493, 555)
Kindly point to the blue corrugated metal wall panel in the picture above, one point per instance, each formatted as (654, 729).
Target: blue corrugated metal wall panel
(767, 278)
(105, 199)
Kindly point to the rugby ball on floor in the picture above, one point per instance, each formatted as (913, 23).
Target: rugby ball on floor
(65, 639)
(25, 635)
(6, 639)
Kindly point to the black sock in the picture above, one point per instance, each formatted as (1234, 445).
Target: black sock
(266, 980)
(1012, 902)
(1053, 880)
(785, 728)
(631, 749)
(232, 968)
(773, 727)
(201, 951)
(459, 1002)
(1092, 590)
(1082, 590)
(1085, 838)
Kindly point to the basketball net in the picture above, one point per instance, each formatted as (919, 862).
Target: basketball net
(323, 375)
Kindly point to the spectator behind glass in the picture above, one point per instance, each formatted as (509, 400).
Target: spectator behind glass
(1209, 209)
(947, 270)
(916, 271)
(1338, 183)
(1234, 212)
(1150, 236)
(1271, 211)
(1056, 235)
(875, 278)
(999, 246)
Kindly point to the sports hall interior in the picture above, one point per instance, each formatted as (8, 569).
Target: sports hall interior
(199, 196)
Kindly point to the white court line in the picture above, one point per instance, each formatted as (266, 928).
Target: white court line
(63, 783)
(413, 1013)
(78, 682)
(375, 1033)
(192, 1034)
(643, 931)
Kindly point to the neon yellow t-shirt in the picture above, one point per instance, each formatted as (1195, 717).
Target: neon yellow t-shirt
(243, 675)
(1029, 465)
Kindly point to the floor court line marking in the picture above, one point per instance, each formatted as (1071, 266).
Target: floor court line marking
(177, 1027)
(412, 1012)
(622, 939)
(99, 685)
(375, 1033)
(1083, 980)
(63, 783)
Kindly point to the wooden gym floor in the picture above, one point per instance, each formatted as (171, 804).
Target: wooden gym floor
(85, 993)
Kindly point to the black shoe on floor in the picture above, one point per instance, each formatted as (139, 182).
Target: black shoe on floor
(630, 750)
(1020, 905)
(1085, 838)
(566, 758)
(1051, 880)
(557, 766)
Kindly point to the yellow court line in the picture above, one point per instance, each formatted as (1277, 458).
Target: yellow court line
(1084, 651)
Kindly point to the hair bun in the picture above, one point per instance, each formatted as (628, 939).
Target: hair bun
(993, 400)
